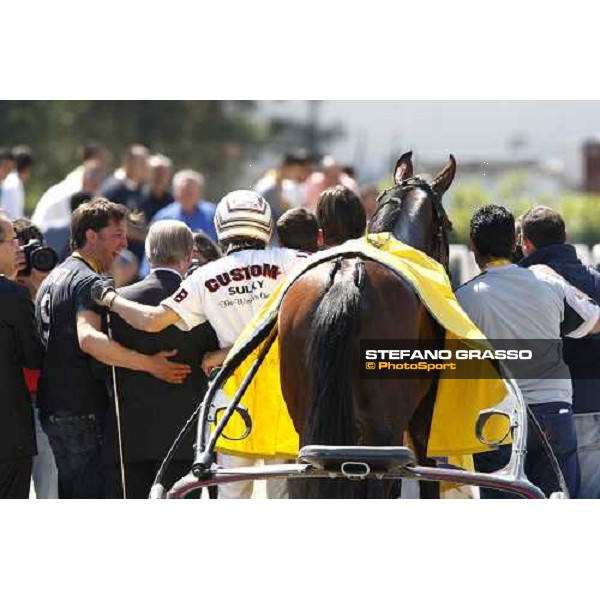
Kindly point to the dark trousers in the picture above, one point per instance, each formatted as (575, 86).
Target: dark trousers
(139, 477)
(15, 477)
(557, 423)
(76, 442)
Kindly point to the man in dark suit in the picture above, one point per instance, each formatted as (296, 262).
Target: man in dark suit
(19, 347)
(152, 412)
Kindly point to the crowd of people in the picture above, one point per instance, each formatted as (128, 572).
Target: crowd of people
(188, 276)
(147, 185)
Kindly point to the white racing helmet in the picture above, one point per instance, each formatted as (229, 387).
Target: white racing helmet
(243, 214)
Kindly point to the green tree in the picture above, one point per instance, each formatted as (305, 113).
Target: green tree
(215, 136)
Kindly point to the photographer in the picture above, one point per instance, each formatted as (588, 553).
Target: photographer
(35, 262)
(19, 347)
(36, 259)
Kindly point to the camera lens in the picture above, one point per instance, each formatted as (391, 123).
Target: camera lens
(44, 259)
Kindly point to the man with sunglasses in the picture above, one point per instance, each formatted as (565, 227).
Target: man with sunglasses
(19, 347)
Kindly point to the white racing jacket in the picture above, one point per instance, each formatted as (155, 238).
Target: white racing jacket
(230, 291)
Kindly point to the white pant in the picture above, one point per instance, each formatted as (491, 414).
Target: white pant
(276, 488)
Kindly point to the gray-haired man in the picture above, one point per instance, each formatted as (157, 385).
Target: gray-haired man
(153, 412)
(190, 207)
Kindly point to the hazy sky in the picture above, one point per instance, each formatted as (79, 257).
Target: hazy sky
(468, 129)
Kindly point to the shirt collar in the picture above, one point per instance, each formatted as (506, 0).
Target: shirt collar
(166, 269)
(194, 212)
(499, 267)
(92, 264)
(549, 253)
(497, 263)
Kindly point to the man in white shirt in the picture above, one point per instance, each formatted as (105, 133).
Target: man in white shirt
(54, 207)
(508, 302)
(7, 164)
(13, 190)
(227, 293)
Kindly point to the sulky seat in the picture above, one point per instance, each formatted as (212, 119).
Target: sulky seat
(358, 461)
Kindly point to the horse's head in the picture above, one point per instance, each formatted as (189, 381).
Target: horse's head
(413, 212)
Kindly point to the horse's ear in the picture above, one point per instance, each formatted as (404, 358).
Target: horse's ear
(444, 178)
(404, 168)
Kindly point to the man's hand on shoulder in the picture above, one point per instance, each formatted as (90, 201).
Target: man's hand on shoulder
(103, 292)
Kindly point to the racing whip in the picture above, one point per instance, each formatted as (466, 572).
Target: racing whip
(117, 413)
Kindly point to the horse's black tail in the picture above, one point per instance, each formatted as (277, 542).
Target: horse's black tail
(331, 344)
(329, 360)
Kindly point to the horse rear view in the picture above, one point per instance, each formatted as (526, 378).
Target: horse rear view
(331, 308)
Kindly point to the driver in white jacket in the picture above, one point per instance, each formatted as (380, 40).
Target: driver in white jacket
(227, 293)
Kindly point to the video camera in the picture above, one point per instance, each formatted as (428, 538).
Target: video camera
(37, 256)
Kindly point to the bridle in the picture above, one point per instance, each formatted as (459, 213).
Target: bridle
(440, 220)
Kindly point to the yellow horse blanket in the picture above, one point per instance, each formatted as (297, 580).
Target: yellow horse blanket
(458, 401)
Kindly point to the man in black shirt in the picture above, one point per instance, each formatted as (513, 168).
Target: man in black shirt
(153, 412)
(72, 392)
(19, 347)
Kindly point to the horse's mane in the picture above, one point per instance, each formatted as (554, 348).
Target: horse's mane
(390, 204)
(385, 217)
